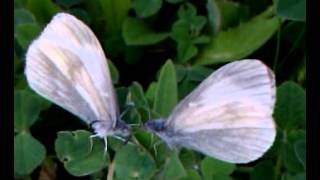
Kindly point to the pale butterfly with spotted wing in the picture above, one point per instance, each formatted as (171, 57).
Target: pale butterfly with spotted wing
(228, 116)
(66, 65)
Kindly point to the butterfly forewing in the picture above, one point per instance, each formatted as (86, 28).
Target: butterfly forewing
(229, 115)
(66, 64)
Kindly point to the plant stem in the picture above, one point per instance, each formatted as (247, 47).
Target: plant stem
(110, 171)
(278, 168)
(294, 46)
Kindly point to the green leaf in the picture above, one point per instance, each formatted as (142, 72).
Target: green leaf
(131, 162)
(264, 170)
(133, 117)
(136, 95)
(20, 3)
(147, 8)
(122, 93)
(180, 31)
(189, 158)
(214, 16)
(186, 86)
(147, 114)
(186, 48)
(239, 42)
(211, 167)
(27, 107)
(81, 14)
(68, 3)
(74, 150)
(17, 64)
(72, 145)
(25, 33)
(43, 10)
(23, 16)
(28, 153)
(166, 92)
(292, 10)
(224, 14)
(290, 109)
(151, 92)
(300, 150)
(192, 175)
(192, 73)
(198, 73)
(174, 1)
(181, 72)
(186, 51)
(145, 138)
(173, 168)
(201, 39)
(299, 176)
(135, 32)
(288, 151)
(291, 162)
(114, 12)
(188, 13)
(114, 72)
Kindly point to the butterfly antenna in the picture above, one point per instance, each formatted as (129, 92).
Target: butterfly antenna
(149, 114)
(129, 106)
(136, 125)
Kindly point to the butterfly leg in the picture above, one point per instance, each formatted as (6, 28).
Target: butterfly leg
(105, 145)
(155, 145)
(91, 142)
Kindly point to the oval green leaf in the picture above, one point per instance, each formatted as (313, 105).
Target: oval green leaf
(290, 109)
(27, 107)
(74, 151)
(292, 10)
(173, 168)
(131, 162)
(43, 10)
(211, 167)
(28, 153)
(135, 32)
(147, 8)
(166, 93)
(241, 41)
(25, 33)
(300, 150)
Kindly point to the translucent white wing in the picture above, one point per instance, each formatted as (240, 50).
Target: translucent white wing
(66, 64)
(229, 115)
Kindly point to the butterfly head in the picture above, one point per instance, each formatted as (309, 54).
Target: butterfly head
(155, 126)
(159, 127)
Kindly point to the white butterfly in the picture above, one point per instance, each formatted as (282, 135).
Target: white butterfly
(228, 116)
(66, 65)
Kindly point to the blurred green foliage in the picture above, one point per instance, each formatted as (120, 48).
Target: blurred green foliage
(159, 51)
